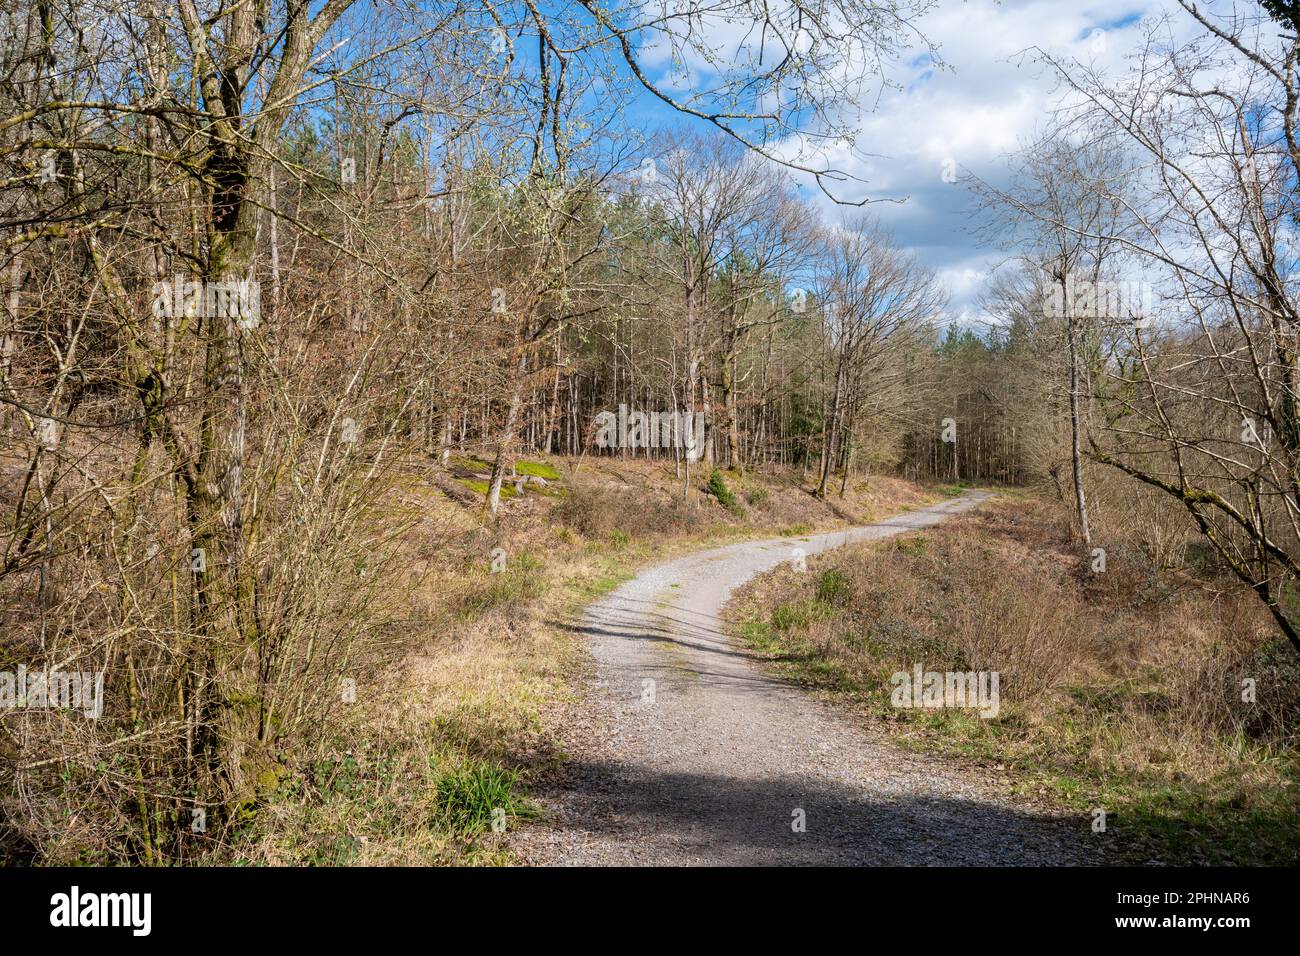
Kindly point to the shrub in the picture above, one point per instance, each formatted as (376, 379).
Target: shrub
(717, 487)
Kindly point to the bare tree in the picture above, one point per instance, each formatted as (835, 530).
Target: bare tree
(876, 300)
(1204, 403)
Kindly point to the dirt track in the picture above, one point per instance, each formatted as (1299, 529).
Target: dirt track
(688, 753)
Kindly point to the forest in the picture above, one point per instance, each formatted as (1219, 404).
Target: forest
(269, 264)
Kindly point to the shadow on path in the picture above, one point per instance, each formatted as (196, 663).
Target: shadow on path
(678, 817)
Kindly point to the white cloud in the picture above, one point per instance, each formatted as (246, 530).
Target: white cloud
(990, 100)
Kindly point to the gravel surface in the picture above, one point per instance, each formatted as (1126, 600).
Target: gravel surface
(687, 752)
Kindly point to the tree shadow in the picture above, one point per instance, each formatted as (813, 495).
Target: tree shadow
(628, 815)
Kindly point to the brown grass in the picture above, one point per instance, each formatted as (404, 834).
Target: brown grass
(483, 667)
(1122, 688)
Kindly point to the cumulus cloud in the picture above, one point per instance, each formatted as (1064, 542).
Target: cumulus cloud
(968, 116)
(940, 121)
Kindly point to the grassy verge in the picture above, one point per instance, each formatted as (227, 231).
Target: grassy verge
(1121, 690)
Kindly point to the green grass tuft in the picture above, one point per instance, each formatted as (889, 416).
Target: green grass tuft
(835, 588)
(799, 614)
(467, 794)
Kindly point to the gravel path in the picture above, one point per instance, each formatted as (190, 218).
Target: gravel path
(687, 752)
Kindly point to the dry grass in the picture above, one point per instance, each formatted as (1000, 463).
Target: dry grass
(484, 666)
(1120, 689)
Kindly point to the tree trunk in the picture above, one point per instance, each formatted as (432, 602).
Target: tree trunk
(1076, 442)
(830, 435)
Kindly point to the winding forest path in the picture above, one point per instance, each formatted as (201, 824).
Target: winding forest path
(688, 752)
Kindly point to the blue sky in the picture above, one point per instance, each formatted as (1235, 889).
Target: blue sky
(971, 115)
